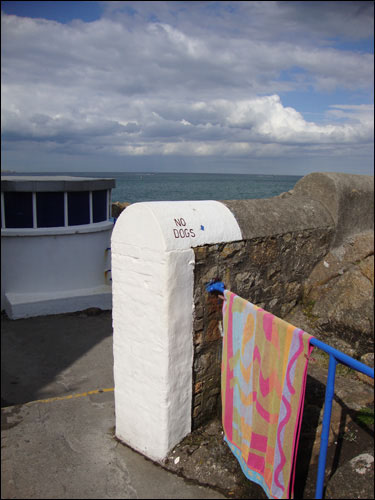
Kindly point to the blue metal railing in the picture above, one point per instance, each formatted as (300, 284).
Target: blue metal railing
(335, 357)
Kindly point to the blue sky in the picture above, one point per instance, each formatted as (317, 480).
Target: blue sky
(243, 87)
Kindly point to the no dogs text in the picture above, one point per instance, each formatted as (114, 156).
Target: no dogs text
(183, 231)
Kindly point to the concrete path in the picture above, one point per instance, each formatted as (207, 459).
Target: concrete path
(62, 445)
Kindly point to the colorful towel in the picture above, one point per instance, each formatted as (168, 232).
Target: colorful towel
(263, 382)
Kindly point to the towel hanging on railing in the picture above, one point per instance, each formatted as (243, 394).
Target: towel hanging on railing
(263, 380)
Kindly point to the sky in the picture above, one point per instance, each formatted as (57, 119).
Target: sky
(259, 87)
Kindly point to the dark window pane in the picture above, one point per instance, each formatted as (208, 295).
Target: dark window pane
(78, 208)
(99, 205)
(50, 209)
(18, 209)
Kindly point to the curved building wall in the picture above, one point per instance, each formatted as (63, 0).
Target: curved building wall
(55, 254)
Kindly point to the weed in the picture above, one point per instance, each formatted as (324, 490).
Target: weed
(307, 309)
(366, 416)
(351, 435)
(323, 359)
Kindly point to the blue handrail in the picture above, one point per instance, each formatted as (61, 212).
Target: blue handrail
(335, 357)
(215, 286)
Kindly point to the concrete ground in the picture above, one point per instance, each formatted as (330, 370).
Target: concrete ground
(57, 418)
(57, 426)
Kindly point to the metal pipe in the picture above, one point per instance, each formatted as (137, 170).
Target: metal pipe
(343, 358)
(335, 356)
(330, 390)
(215, 286)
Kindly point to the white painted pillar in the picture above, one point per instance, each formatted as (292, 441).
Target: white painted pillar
(152, 287)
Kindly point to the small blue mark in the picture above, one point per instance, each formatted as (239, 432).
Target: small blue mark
(202, 228)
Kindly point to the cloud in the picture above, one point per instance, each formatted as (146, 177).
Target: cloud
(284, 21)
(107, 55)
(155, 78)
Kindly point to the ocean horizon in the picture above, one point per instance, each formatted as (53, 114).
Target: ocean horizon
(135, 187)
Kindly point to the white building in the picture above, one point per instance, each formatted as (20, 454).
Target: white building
(55, 244)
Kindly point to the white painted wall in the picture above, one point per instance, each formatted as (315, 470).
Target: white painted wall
(153, 278)
(55, 270)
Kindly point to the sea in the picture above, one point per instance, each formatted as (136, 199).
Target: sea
(156, 186)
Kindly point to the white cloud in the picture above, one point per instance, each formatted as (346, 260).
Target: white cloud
(156, 78)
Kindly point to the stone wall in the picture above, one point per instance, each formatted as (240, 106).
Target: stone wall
(284, 239)
(166, 328)
(269, 272)
(337, 302)
(118, 207)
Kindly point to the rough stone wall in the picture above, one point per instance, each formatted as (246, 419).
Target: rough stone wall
(283, 240)
(337, 303)
(268, 271)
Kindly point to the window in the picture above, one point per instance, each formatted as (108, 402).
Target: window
(47, 209)
(78, 208)
(18, 209)
(50, 209)
(99, 205)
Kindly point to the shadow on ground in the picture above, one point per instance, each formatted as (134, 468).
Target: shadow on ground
(37, 354)
(204, 456)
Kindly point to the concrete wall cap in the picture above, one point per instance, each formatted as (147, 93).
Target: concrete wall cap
(273, 216)
(176, 225)
(349, 199)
